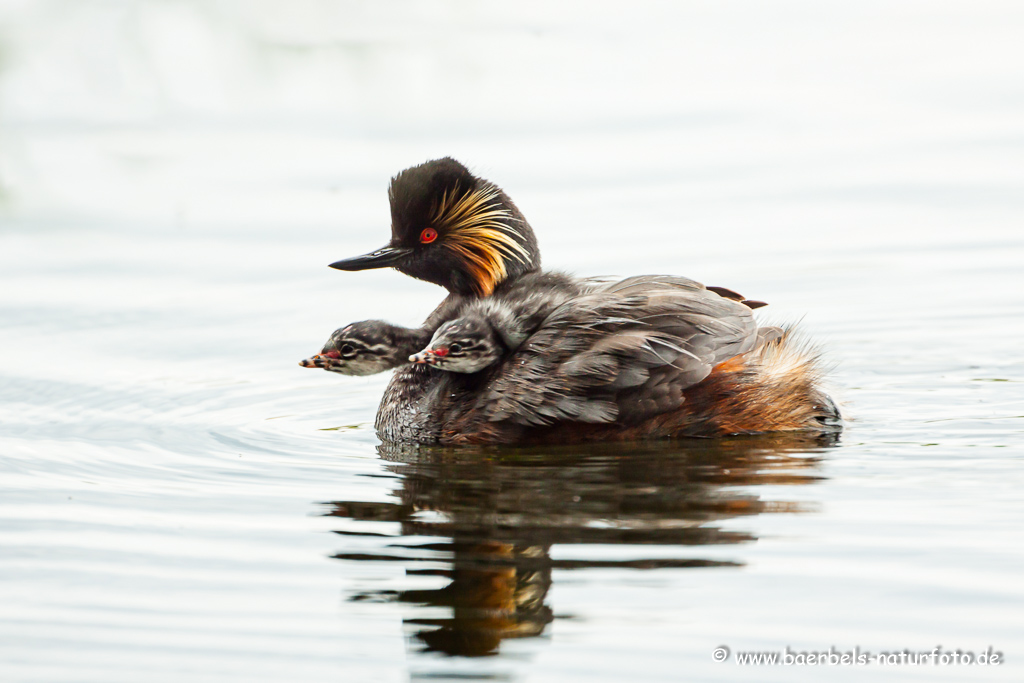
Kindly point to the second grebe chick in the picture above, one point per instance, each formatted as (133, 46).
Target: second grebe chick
(368, 347)
(468, 344)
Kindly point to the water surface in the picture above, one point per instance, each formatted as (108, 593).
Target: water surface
(180, 501)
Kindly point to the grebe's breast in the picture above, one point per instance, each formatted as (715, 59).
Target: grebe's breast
(406, 410)
(423, 404)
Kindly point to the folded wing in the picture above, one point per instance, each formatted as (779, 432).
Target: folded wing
(623, 352)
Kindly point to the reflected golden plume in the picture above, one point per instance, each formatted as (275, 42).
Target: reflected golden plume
(477, 228)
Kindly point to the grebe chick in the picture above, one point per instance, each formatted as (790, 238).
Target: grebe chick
(468, 344)
(368, 347)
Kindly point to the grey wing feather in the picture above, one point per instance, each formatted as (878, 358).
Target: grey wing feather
(624, 351)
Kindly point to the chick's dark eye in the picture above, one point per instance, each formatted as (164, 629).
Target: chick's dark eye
(428, 235)
(455, 348)
(348, 350)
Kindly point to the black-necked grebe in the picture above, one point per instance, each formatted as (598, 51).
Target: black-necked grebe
(648, 357)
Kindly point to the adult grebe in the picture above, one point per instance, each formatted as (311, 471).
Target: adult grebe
(649, 357)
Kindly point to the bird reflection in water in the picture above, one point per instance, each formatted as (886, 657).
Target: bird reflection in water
(500, 512)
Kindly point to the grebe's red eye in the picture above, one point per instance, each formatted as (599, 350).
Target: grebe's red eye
(428, 235)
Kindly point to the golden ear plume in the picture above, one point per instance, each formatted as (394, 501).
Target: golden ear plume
(477, 228)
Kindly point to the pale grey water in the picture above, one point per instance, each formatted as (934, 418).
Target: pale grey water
(181, 501)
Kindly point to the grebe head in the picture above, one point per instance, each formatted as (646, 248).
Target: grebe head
(468, 344)
(363, 348)
(453, 229)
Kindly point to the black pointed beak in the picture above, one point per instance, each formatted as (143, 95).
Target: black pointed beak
(382, 258)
